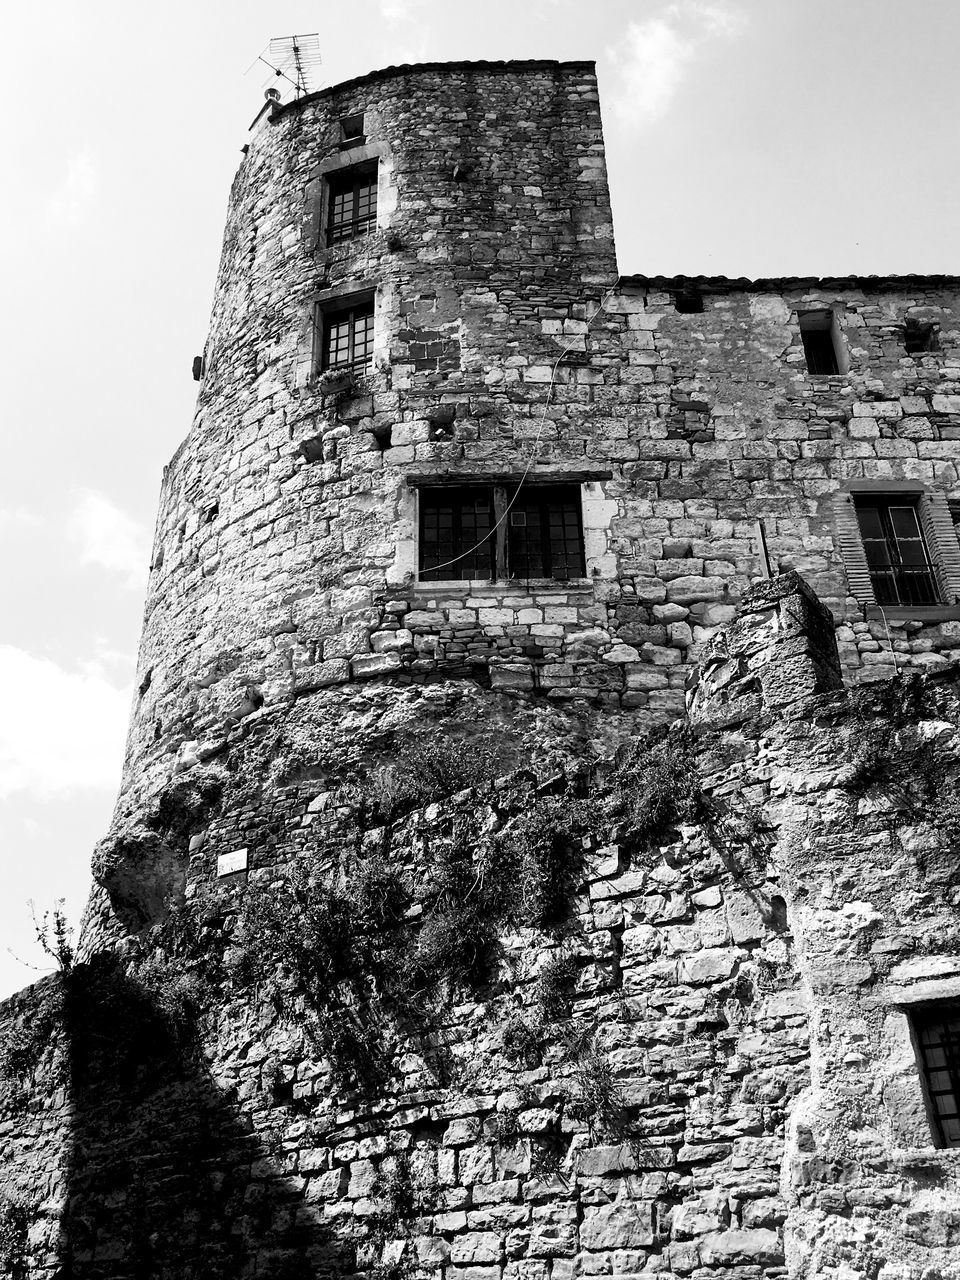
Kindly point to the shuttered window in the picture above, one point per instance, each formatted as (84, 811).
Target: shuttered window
(898, 549)
(897, 557)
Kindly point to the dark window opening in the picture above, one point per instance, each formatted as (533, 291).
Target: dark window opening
(351, 131)
(919, 336)
(211, 513)
(353, 203)
(545, 534)
(495, 533)
(937, 1032)
(901, 571)
(816, 332)
(690, 302)
(348, 337)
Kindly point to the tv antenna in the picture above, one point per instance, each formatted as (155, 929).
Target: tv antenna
(294, 59)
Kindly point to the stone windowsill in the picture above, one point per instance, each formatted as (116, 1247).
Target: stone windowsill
(510, 587)
(925, 613)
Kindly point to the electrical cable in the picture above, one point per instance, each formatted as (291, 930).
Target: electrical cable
(536, 444)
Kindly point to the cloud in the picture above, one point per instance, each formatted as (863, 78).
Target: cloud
(106, 536)
(396, 11)
(60, 731)
(77, 192)
(657, 53)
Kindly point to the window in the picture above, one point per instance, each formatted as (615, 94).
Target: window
(901, 572)
(498, 532)
(351, 131)
(919, 336)
(688, 302)
(353, 203)
(937, 1034)
(817, 332)
(347, 341)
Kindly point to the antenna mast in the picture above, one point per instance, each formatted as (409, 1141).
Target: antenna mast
(294, 59)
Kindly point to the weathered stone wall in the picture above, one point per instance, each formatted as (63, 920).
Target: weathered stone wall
(285, 557)
(741, 985)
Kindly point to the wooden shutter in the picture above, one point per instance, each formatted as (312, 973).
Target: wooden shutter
(942, 543)
(850, 546)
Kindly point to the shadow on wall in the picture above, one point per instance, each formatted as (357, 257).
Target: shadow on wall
(165, 1179)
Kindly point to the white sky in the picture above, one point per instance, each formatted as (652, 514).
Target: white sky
(744, 137)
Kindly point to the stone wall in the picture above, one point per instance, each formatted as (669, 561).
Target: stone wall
(506, 348)
(731, 1091)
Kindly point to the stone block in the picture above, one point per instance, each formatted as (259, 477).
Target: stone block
(461, 1132)
(759, 1246)
(624, 1224)
(388, 641)
(710, 965)
(424, 620)
(476, 1246)
(620, 653)
(374, 664)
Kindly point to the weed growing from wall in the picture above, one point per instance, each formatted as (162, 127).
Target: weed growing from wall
(658, 786)
(408, 1188)
(330, 947)
(14, 1224)
(427, 771)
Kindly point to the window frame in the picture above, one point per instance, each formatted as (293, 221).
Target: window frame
(940, 537)
(556, 496)
(921, 1018)
(895, 573)
(351, 180)
(358, 306)
(814, 322)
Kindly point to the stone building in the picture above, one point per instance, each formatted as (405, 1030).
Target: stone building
(463, 516)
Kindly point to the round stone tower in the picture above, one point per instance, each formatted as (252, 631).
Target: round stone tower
(400, 372)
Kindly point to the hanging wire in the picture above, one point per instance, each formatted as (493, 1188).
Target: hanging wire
(536, 444)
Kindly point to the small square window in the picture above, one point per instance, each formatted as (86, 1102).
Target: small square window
(936, 1033)
(819, 341)
(901, 572)
(351, 131)
(352, 210)
(347, 336)
(688, 302)
(919, 336)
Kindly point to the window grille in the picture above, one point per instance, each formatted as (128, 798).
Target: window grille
(348, 337)
(454, 522)
(546, 538)
(353, 203)
(901, 572)
(541, 536)
(938, 1040)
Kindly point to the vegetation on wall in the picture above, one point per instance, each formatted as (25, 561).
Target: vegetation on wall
(14, 1222)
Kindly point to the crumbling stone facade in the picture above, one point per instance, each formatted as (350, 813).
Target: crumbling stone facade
(704, 1059)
